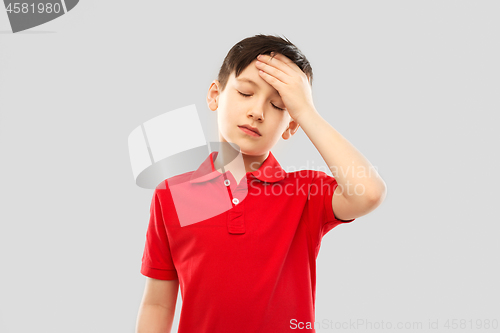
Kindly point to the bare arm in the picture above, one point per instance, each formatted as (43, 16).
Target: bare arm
(156, 313)
(361, 189)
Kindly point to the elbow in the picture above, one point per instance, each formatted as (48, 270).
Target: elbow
(377, 196)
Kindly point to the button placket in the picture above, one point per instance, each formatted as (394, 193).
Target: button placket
(227, 183)
(236, 219)
(235, 216)
(239, 188)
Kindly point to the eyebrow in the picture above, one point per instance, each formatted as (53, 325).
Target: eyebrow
(247, 80)
(244, 79)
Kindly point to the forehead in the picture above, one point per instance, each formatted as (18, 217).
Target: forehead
(250, 77)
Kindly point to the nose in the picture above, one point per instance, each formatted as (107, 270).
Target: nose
(257, 113)
(256, 116)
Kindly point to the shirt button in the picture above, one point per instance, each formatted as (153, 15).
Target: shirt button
(227, 182)
(235, 201)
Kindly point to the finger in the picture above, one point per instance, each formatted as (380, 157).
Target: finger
(273, 71)
(284, 59)
(275, 62)
(271, 80)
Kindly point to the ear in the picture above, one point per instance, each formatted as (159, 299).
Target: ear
(213, 95)
(292, 128)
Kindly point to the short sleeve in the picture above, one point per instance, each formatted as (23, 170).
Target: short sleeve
(157, 260)
(320, 209)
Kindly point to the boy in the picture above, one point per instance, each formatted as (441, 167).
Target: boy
(251, 268)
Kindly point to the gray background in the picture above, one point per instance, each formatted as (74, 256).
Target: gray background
(412, 84)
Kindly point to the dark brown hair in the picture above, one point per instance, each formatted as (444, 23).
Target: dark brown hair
(247, 50)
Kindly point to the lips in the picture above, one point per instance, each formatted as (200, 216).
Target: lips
(253, 129)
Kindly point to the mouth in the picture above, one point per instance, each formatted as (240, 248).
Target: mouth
(249, 131)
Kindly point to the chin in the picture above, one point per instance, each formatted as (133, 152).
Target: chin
(253, 151)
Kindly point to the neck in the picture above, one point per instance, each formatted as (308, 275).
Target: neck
(237, 161)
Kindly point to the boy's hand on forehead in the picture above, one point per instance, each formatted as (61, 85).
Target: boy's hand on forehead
(290, 82)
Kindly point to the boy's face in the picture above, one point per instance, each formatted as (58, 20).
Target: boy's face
(257, 110)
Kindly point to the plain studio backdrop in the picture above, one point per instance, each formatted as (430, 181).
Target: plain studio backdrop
(412, 84)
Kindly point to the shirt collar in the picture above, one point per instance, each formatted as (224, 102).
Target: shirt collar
(270, 170)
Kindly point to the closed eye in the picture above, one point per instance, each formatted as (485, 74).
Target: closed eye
(271, 103)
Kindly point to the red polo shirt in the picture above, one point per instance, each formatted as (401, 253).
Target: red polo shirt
(247, 265)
